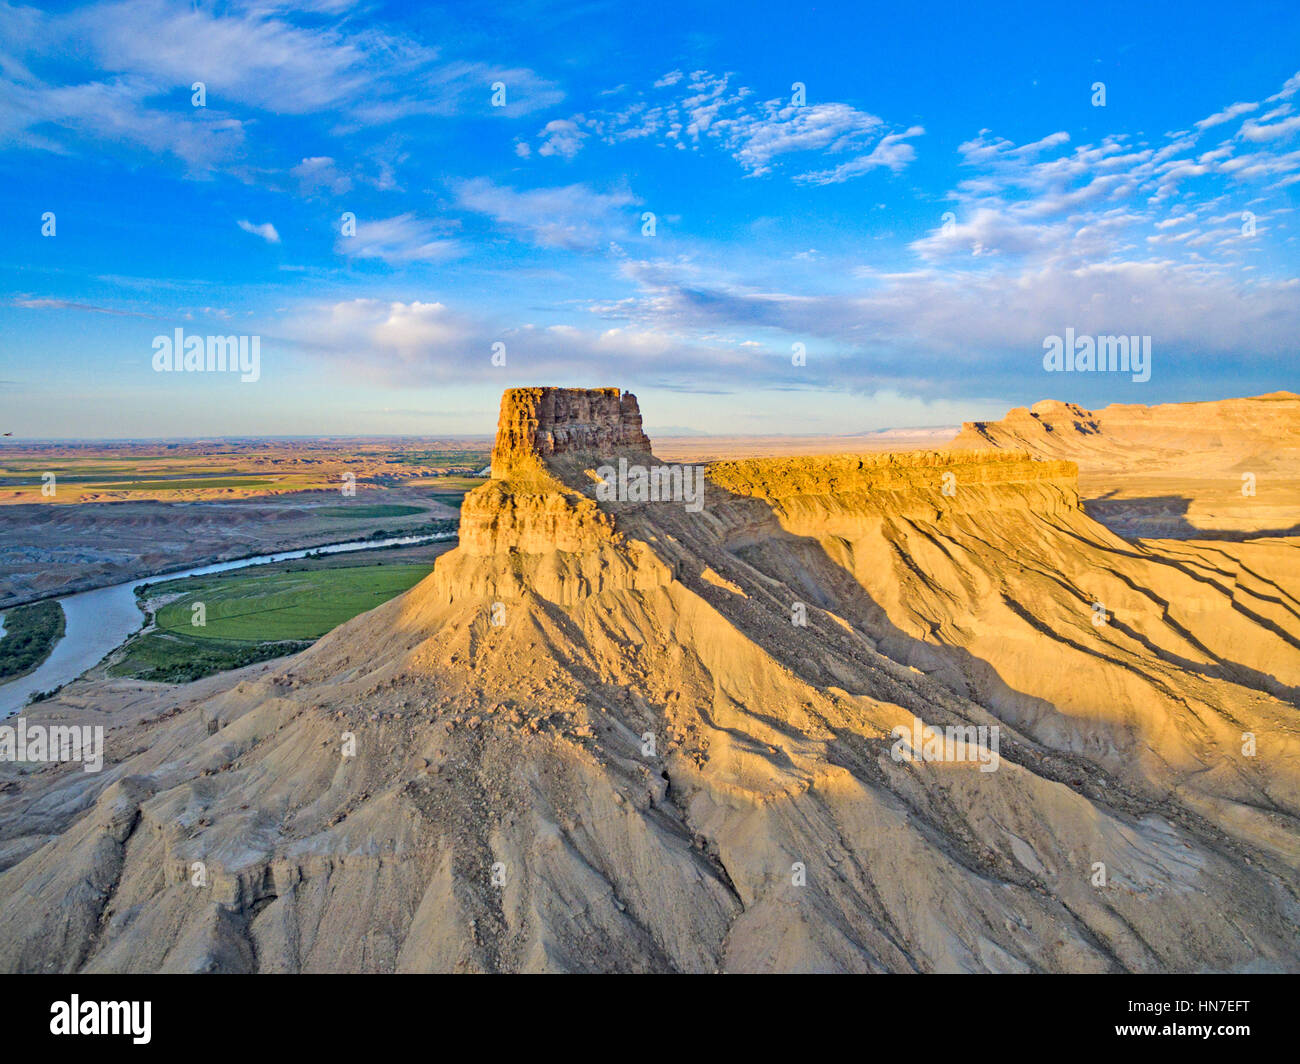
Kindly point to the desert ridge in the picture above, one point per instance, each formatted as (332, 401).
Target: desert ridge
(613, 734)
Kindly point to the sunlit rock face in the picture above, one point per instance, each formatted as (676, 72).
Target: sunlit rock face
(541, 422)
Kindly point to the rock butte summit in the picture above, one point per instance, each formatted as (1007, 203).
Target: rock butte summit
(540, 422)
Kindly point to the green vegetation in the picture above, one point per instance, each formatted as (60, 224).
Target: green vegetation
(42, 696)
(251, 617)
(451, 490)
(163, 484)
(375, 510)
(132, 482)
(166, 658)
(297, 605)
(473, 458)
(29, 636)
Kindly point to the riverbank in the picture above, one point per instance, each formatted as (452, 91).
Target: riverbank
(101, 620)
(199, 626)
(28, 636)
(141, 572)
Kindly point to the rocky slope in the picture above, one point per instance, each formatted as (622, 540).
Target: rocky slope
(1256, 427)
(1224, 470)
(626, 736)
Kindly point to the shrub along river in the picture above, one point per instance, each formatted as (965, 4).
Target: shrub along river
(100, 621)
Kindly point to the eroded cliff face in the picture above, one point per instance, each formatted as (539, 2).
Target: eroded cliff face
(551, 440)
(539, 508)
(559, 543)
(917, 484)
(601, 734)
(1216, 470)
(541, 422)
(1226, 432)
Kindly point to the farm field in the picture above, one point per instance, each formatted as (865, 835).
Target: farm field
(292, 605)
(120, 510)
(195, 470)
(450, 490)
(252, 616)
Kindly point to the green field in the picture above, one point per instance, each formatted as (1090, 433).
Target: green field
(450, 491)
(364, 510)
(299, 605)
(475, 457)
(100, 481)
(133, 482)
(188, 485)
(29, 636)
(250, 617)
(167, 658)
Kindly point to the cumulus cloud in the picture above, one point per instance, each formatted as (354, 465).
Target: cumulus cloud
(390, 340)
(405, 343)
(561, 137)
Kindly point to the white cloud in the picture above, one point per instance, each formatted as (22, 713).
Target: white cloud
(830, 127)
(266, 230)
(574, 217)
(320, 174)
(416, 342)
(135, 60)
(401, 239)
(892, 153)
(759, 135)
(561, 137)
(113, 113)
(944, 329)
(1289, 88)
(1118, 236)
(247, 56)
(391, 340)
(1257, 131)
(1226, 115)
(987, 232)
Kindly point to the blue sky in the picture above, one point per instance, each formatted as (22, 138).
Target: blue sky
(945, 196)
